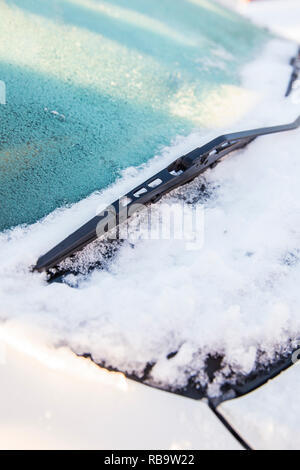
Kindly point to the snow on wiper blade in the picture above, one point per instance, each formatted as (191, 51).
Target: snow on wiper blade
(178, 173)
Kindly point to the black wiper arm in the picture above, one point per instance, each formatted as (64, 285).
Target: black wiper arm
(178, 173)
(295, 63)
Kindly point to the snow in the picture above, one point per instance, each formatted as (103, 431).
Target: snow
(268, 418)
(280, 16)
(235, 296)
(161, 298)
(51, 399)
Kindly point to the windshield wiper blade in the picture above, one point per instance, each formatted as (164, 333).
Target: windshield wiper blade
(295, 63)
(178, 173)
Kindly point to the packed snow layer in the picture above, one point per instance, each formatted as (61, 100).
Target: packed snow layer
(268, 419)
(53, 400)
(236, 296)
(96, 86)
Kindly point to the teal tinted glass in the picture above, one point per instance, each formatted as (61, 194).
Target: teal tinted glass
(93, 87)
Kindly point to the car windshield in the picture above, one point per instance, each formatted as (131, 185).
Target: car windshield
(94, 87)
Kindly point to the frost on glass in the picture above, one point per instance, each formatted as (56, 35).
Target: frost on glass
(2, 92)
(99, 86)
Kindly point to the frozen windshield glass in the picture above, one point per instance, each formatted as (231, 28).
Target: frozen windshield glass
(93, 87)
